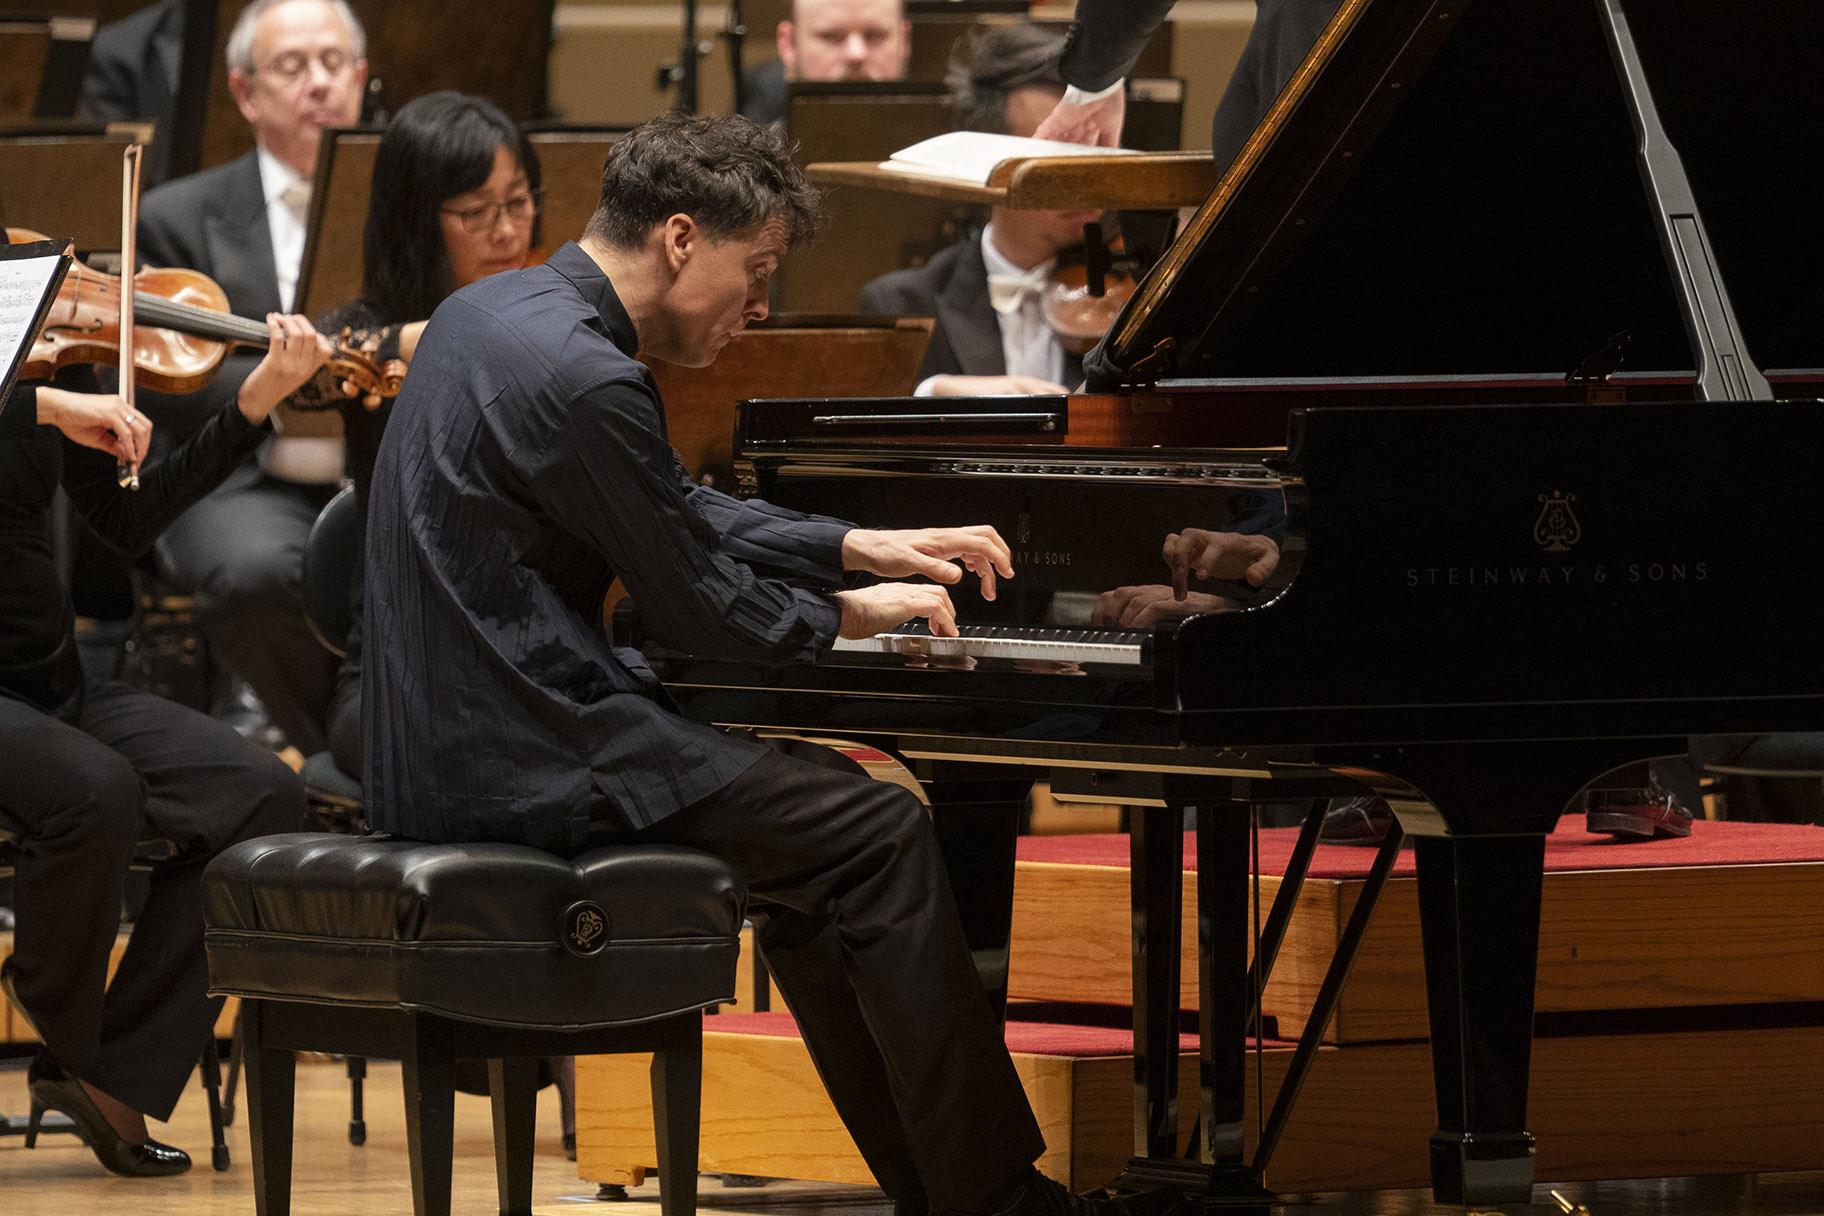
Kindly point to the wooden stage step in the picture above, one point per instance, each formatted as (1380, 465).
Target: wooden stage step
(1732, 915)
(1604, 1106)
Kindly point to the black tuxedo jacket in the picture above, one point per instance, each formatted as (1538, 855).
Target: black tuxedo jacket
(132, 75)
(953, 287)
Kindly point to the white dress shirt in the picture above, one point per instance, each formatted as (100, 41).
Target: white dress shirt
(314, 459)
(1017, 296)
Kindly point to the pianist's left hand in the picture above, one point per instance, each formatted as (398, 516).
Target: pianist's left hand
(1144, 607)
(931, 552)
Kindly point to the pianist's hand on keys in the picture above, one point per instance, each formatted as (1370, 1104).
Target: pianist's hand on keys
(867, 611)
(931, 552)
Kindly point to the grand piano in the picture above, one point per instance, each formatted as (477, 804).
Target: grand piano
(1509, 324)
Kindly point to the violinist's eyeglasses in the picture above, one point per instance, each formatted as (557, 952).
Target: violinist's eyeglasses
(293, 65)
(482, 217)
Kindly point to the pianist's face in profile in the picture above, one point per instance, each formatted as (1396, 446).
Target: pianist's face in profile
(696, 215)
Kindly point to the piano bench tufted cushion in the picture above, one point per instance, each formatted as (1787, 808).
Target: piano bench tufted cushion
(493, 933)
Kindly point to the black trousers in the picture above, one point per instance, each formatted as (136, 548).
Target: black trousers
(240, 551)
(862, 935)
(1284, 33)
(81, 796)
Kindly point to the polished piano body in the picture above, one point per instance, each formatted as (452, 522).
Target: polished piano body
(1535, 413)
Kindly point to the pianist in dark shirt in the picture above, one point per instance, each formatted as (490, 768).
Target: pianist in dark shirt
(525, 467)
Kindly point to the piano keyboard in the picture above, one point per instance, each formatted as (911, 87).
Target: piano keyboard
(1120, 646)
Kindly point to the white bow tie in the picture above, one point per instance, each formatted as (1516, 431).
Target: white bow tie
(1008, 293)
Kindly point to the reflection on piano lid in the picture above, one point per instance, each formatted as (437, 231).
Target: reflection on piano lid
(1453, 189)
(1128, 648)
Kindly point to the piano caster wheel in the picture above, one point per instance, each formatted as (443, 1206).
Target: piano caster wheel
(611, 1192)
(743, 1181)
(357, 1132)
(218, 1157)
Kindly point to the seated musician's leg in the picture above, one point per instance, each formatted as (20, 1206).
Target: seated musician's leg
(240, 551)
(344, 728)
(76, 806)
(206, 788)
(861, 854)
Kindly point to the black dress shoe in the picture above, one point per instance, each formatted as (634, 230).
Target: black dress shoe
(53, 1089)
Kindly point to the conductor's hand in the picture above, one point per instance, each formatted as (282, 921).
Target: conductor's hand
(1224, 555)
(867, 611)
(932, 552)
(294, 352)
(1097, 123)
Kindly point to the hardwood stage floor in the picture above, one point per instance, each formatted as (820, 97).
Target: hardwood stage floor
(334, 1178)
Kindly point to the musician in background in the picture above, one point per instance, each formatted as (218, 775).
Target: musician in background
(986, 291)
(132, 76)
(1106, 39)
(524, 469)
(829, 40)
(89, 768)
(454, 199)
(294, 67)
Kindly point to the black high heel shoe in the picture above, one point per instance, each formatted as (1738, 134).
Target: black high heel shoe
(53, 1089)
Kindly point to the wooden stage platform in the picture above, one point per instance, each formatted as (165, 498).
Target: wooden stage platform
(1681, 1027)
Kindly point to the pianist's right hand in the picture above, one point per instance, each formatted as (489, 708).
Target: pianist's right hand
(867, 611)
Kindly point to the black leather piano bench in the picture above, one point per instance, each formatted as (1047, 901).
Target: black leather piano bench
(374, 946)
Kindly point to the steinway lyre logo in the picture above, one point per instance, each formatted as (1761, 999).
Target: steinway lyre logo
(585, 928)
(1557, 528)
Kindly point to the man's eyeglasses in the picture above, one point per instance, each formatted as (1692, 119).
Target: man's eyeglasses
(483, 216)
(293, 65)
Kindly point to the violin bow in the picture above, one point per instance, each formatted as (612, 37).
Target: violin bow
(128, 474)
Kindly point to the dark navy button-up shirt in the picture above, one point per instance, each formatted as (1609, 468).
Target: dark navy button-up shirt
(525, 466)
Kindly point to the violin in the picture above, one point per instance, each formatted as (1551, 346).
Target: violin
(182, 330)
(1088, 289)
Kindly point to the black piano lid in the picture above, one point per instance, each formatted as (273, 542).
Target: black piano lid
(1452, 189)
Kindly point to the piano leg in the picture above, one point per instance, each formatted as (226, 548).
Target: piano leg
(1156, 855)
(978, 824)
(1479, 911)
(1226, 1003)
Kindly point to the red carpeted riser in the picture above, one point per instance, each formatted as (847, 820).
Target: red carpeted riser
(1569, 848)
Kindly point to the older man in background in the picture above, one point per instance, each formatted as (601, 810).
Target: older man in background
(830, 40)
(294, 67)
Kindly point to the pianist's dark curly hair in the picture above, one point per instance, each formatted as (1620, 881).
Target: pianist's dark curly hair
(988, 66)
(437, 146)
(726, 173)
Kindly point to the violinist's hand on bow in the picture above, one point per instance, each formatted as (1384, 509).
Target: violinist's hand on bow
(294, 352)
(1143, 607)
(96, 420)
(1223, 555)
(932, 552)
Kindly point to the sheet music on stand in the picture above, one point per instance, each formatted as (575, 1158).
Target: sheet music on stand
(30, 275)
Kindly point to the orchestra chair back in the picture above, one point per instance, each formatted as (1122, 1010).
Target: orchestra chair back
(431, 953)
(332, 553)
